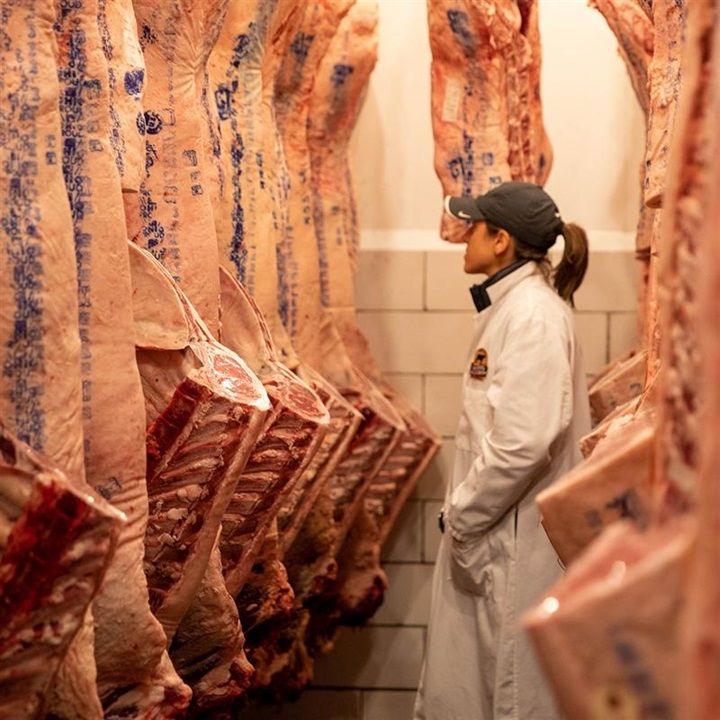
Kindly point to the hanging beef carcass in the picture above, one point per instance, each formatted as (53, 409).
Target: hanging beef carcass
(174, 219)
(55, 544)
(687, 185)
(664, 82)
(624, 599)
(632, 25)
(249, 187)
(40, 383)
(337, 98)
(245, 174)
(469, 108)
(126, 79)
(344, 418)
(205, 411)
(617, 384)
(245, 216)
(610, 485)
(253, 173)
(515, 33)
(700, 643)
(249, 220)
(173, 214)
(310, 326)
(338, 89)
(207, 648)
(338, 93)
(650, 39)
(291, 433)
(663, 85)
(541, 152)
(40, 401)
(198, 446)
(129, 641)
(486, 110)
(607, 634)
(246, 211)
(616, 480)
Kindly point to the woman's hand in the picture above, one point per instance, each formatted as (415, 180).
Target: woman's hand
(470, 565)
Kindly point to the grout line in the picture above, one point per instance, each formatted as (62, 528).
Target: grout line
(395, 626)
(415, 311)
(364, 688)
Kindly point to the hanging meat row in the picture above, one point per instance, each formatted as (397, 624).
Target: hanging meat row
(632, 628)
(199, 457)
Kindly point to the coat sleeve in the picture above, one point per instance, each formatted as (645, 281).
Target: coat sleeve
(530, 398)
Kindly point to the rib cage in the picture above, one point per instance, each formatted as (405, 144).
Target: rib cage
(280, 455)
(56, 545)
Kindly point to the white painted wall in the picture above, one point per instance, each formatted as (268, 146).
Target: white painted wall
(591, 114)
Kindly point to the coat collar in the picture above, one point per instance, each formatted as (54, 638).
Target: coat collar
(498, 284)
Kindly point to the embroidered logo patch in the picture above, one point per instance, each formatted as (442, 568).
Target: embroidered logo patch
(479, 365)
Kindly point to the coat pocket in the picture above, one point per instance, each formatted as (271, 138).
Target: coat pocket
(470, 565)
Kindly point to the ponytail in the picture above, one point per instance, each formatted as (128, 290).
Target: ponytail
(570, 271)
(569, 274)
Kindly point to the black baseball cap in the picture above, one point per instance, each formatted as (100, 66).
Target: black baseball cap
(523, 209)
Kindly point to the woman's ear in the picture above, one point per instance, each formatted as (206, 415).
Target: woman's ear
(504, 245)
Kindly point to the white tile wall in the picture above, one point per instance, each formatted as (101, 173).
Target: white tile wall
(415, 309)
(315, 704)
(442, 402)
(623, 333)
(447, 284)
(592, 330)
(610, 284)
(374, 657)
(407, 599)
(410, 386)
(433, 482)
(404, 544)
(397, 280)
(418, 342)
(388, 705)
(335, 704)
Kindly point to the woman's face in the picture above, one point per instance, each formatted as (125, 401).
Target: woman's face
(480, 255)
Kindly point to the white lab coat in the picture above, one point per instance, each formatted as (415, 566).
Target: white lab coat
(518, 432)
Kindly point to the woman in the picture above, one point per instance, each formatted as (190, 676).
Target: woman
(524, 408)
